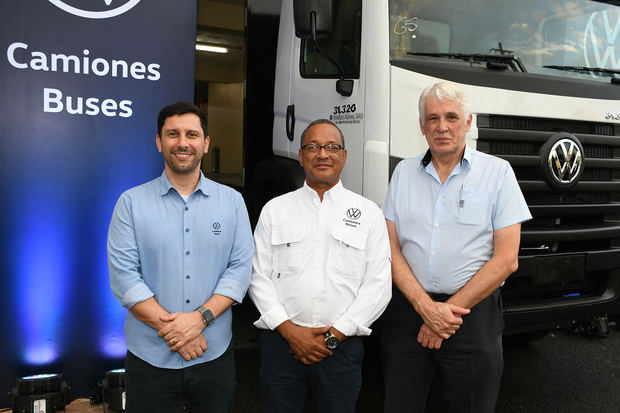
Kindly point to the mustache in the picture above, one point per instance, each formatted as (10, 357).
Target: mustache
(191, 152)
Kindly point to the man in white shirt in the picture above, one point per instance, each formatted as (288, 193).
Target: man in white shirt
(321, 276)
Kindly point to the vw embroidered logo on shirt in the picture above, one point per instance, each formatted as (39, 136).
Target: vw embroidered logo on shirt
(354, 213)
(217, 228)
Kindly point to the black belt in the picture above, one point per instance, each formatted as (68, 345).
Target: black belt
(439, 297)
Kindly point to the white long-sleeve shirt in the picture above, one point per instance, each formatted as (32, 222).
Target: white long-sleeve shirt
(321, 263)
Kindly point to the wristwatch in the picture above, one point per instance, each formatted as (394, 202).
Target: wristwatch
(207, 315)
(331, 341)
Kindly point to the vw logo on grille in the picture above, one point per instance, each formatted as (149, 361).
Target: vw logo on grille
(562, 156)
(565, 161)
(354, 213)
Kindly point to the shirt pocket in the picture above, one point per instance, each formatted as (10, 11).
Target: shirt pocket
(289, 252)
(473, 207)
(347, 251)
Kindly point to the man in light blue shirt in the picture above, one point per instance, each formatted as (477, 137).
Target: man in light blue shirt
(454, 220)
(180, 254)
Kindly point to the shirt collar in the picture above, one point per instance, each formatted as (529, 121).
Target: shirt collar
(331, 194)
(203, 185)
(467, 156)
(166, 185)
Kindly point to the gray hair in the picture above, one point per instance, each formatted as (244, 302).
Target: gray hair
(444, 90)
(318, 122)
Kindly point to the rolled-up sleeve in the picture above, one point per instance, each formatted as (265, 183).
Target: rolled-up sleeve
(510, 207)
(126, 279)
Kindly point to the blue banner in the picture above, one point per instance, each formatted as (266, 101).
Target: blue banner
(81, 84)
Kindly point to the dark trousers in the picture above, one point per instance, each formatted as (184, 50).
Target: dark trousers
(335, 382)
(207, 387)
(469, 363)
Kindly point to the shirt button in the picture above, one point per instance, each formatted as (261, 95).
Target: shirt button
(186, 252)
(278, 275)
(436, 225)
(433, 253)
(186, 229)
(186, 208)
(187, 276)
(187, 301)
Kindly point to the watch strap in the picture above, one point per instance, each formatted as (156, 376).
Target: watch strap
(207, 315)
(331, 341)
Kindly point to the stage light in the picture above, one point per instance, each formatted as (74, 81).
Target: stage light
(113, 389)
(42, 393)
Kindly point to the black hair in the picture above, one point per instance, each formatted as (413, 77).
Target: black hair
(318, 122)
(181, 108)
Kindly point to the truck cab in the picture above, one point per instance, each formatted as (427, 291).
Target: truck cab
(543, 81)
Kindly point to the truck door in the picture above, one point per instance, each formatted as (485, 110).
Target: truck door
(308, 91)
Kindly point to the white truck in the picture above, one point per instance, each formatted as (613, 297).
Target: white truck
(543, 77)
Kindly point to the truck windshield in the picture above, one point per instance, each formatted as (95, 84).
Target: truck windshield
(576, 39)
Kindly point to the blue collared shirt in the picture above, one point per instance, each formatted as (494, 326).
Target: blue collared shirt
(181, 253)
(446, 231)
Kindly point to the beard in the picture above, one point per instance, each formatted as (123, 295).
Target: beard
(186, 167)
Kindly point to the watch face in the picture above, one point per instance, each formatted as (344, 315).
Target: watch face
(332, 342)
(208, 317)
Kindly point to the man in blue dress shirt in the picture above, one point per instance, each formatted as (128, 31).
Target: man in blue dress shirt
(454, 220)
(180, 254)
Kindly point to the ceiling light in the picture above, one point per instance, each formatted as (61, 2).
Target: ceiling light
(208, 48)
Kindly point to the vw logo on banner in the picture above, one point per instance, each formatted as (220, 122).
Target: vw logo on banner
(106, 11)
(600, 43)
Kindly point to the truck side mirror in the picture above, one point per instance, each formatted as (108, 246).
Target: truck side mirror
(344, 87)
(313, 18)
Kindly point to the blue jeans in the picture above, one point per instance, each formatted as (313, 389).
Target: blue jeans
(206, 387)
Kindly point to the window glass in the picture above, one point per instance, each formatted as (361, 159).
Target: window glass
(342, 45)
(554, 37)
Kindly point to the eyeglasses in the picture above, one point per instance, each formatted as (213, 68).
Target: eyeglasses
(315, 147)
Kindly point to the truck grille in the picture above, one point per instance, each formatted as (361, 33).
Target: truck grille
(581, 220)
(519, 141)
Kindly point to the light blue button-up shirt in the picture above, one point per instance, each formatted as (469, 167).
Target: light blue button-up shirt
(446, 231)
(181, 253)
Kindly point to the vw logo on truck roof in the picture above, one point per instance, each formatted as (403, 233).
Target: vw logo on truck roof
(562, 160)
(106, 10)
